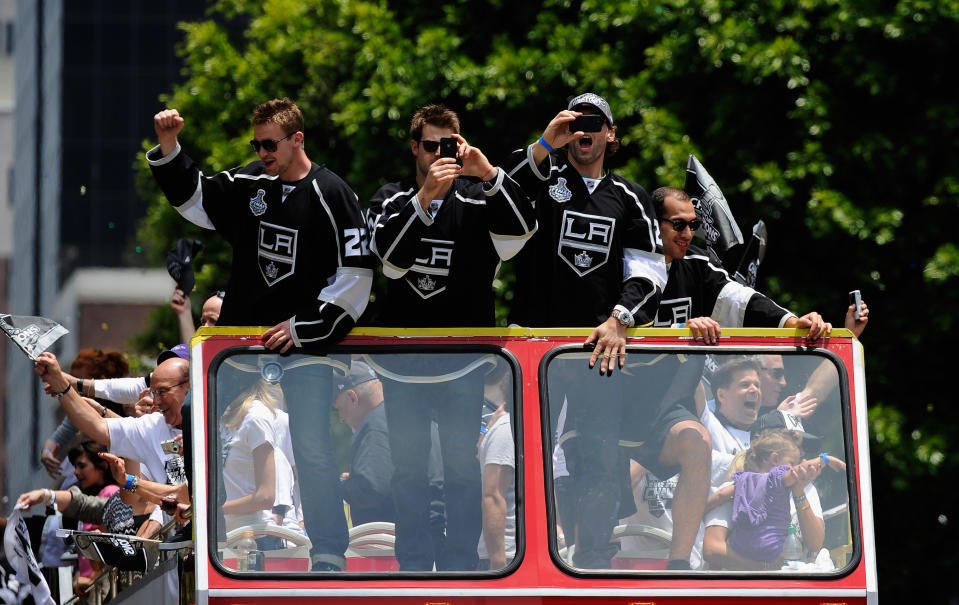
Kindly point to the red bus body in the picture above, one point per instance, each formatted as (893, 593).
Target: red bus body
(537, 578)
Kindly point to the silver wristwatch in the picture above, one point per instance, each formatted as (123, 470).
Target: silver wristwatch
(623, 317)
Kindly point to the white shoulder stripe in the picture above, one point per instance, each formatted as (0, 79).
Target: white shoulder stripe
(653, 233)
(329, 213)
(251, 177)
(396, 195)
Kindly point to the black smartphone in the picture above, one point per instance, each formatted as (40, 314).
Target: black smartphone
(447, 147)
(855, 299)
(587, 123)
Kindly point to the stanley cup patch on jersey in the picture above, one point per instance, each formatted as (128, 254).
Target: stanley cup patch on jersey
(429, 273)
(276, 252)
(673, 311)
(585, 240)
(560, 192)
(258, 203)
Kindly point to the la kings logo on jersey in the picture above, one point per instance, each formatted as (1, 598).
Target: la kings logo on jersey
(673, 311)
(585, 240)
(276, 252)
(430, 272)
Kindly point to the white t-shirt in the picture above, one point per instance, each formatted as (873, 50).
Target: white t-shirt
(140, 438)
(727, 442)
(120, 390)
(239, 477)
(286, 486)
(497, 448)
(654, 508)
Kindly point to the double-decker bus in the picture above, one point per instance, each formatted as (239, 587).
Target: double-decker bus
(534, 375)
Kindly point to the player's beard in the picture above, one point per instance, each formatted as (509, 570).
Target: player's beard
(588, 156)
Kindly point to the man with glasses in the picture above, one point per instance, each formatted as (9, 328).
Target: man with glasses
(301, 263)
(139, 438)
(440, 236)
(701, 296)
(441, 239)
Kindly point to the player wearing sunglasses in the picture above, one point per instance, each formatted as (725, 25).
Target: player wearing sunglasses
(701, 295)
(441, 239)
(301, 264)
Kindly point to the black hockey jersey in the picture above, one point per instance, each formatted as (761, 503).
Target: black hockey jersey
(441, 265)
(300, 250)
(593, 252)
(699, 288)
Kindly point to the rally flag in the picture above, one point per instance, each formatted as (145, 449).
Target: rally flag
(179, 263)
(16, 545)
(32, 334)
(752, 257)
(719, 227)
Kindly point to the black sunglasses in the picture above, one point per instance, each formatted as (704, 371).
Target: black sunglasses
(268, 144)
(681, 224)
(430, 146)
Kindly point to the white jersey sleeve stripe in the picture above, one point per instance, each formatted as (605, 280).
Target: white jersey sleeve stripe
(508, 246)
(645, 265)
(329, 213)
(532, 164)
(730, 307)
(399, 236)
(650, 225)
(192, 209)
(350, 290)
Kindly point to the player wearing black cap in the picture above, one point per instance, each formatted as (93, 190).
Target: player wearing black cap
(597, 260)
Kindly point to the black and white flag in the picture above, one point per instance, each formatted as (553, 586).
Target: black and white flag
(16, 545)
(719, 227)
(32, 334)
(752, 257)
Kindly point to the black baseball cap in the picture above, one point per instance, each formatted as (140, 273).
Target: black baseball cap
(778, 419)
(359, 373)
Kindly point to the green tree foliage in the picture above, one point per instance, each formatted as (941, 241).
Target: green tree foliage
(833, 121)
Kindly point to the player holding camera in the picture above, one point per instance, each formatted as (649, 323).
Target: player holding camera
(441, 238)
(598, 261)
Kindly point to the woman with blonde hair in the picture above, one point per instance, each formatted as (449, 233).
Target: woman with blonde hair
(250, 441)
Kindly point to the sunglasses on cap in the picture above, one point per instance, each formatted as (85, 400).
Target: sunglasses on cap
(430, 146)
(268, 144)
(681, 224)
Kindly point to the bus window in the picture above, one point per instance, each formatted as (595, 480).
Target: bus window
(775, 478)
(413, 461)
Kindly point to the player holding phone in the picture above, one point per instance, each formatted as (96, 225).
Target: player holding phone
(441, 238)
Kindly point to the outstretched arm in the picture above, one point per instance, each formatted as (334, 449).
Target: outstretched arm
(80, 413)
(151, 491)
